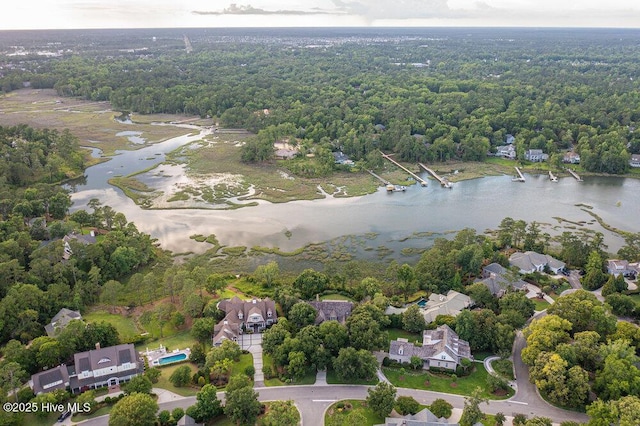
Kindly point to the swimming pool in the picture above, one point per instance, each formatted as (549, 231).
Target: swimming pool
(422, 303)
(172, 358)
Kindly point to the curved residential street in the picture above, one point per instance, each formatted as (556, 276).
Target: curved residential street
(313, 400)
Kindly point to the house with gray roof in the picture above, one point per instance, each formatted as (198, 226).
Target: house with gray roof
(535, 155)
(254, 314)
(421, 418)
(622, 267)
(332, 310)
(226, 331)
(92, 369)
(50, 380)
(530, 261)
(441, 348)
(635, 160)
(450, 304)
(60, 321)
(506, 151)
(499, 280)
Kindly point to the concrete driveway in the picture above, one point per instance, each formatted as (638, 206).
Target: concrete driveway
(253, 343)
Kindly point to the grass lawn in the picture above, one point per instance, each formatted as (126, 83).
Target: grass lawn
(351, 405)
(239, 367)
(126, 326)
(541, 304)
(443, 382)
(564, 286)
(336, 296)
(179, 340)
(504, 367)
(635, 297)
(394, 333)
(31, 419)
(82, 417)
(164, 383)
(489, 420)
(333, 379)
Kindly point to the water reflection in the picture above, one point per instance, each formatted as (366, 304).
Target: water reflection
(480, 204)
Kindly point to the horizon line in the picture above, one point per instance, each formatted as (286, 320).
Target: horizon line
(371, 27)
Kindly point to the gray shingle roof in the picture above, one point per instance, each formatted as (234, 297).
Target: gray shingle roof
(337, 310)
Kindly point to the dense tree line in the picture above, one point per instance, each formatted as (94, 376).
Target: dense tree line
(580, 339)
(426, 99)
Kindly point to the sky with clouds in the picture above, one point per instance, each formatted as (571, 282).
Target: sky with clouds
(46, 14)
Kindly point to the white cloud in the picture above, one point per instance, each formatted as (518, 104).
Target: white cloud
(179, 13)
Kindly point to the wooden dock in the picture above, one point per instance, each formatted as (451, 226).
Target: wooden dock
(575, 175)
(443, 181)
(552, 177)
(384, 182)
(521, 176)
(415, 176)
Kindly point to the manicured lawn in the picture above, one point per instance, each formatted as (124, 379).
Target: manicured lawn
(443, 382)
(504, 367)
(565, 286)
(31, 419)
(179, 340)
(394, 333)
(164, 383)
(356, 405)
(333, 379)
(239, 367)
(126, 326)
(336, 296)
(81, 417)
(489, 420)
(541, 304)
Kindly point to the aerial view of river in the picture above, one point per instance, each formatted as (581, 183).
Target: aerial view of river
(393, 217)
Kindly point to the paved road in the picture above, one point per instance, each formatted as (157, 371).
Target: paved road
(574, 279)
(312, 401)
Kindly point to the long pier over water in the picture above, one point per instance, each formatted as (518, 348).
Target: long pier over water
(443, 181)
(415, 176)
(575, 175)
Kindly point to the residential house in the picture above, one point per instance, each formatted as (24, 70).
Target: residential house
(510, 139)
(284, 150)
(421, 418)
(91, 370)
(225, 331)
(332, 310)
(506, 151)
(80, 238)
(60, 321)
(438, 304)
(50, 380)
(530, 261)
(450, 304)
(255, 315)
(635, 160)
(441, 348)
(187, 420)
(535, 155)
(499, 279)
(342, 159)
(571, 157)
(629, 270)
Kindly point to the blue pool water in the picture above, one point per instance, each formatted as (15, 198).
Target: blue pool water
(172, 358)
(422, 303)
